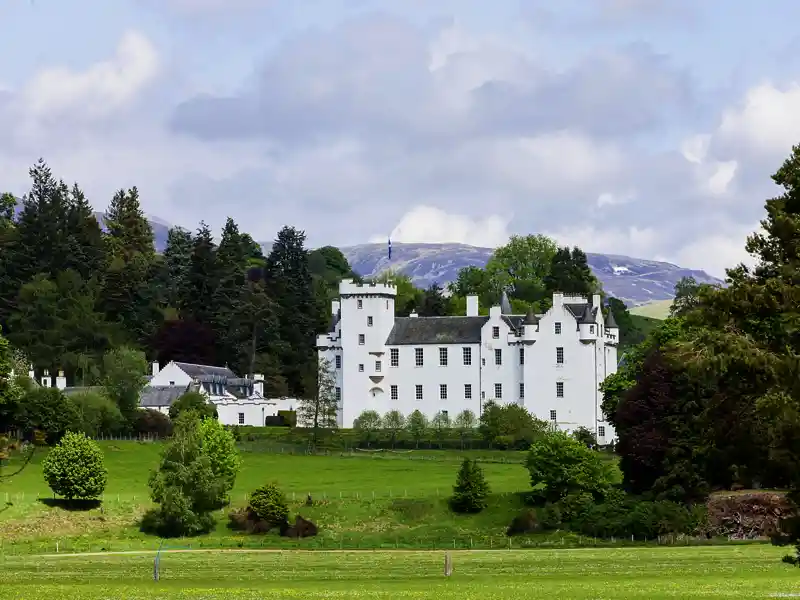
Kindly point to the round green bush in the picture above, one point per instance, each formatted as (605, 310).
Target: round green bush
(268, 504)
(74, 468)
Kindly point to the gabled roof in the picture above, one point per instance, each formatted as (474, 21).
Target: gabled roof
(161, 395)
(436, 330)
(197, 371)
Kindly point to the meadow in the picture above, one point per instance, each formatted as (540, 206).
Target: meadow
(751, 572)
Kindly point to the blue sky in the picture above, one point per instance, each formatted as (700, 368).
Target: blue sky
(640, 127)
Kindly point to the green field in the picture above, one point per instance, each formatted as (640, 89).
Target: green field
(655, 310)
(750, 572)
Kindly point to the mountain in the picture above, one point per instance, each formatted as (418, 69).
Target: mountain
(633, 280)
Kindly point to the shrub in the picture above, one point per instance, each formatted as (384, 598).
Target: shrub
(471, 491)
(194, 401)
(560, 465)
(74, 469)
(149, 421)
(97, 414)
(301, 528)
(268, 504)
(525, 522)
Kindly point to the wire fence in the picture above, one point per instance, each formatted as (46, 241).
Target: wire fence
(330, 541)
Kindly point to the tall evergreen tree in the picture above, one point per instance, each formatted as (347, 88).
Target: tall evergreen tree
(570, 273)
(129, 292)
(231, 265)
(289, 281)
(176, 265)
(202, 279)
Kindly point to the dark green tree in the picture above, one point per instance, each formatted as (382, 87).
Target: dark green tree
(124, 378)
(629, 333)
(471, 491)
(434, 304)
(570, 273)
(176, 266)
(195, 402)
(202, 279)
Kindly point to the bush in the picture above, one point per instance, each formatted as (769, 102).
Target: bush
(560, 465)
(525, 522)
(194, 401)
(149, 421)
(97, 414)
(74, 469)
(471, 491)
(268, 504)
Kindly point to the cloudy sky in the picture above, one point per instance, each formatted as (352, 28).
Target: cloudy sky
(641, 127)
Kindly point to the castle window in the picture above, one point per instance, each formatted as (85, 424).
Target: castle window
(443, 391)
(522, 356)
(369, 321)
(361, 368)
(498, 390)
(591, 329)
(338, 361)
(360, 303)
(522, 391)
(394, 357)
(495, 332)
(418, 357)
(241, 418)
(557, 328)
(498, 356)
(442, 357)
(377, 366)
(466, 355)
(338, 395)
(468, 391)
(560, 356)
(553, 416)
(418, 392)
(361, 339)
(559, 389)
(601, 431)
(393, 391)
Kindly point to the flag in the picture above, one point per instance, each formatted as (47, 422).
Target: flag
(390, 249)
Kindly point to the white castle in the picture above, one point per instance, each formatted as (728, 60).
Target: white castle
(552, 363)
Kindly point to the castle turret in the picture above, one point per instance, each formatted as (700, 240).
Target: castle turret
(612, 329)
(530, 325)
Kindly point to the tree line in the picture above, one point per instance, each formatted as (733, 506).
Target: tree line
(710, 400)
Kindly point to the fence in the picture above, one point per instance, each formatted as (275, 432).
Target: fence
(328, 541)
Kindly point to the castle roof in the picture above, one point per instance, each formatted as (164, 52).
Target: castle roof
(436, 330)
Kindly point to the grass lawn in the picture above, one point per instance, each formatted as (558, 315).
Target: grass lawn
(747, 572)
(655, 310)
(365, 500)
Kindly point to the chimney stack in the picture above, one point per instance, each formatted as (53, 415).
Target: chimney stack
(472, 306)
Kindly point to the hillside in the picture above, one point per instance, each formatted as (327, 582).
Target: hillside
(633, 280)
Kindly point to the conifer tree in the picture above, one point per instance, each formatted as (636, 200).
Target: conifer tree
(471, 492)
(202, 279)
(176, 265)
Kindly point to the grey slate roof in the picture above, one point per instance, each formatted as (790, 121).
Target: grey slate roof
(436, 330)
(197, 371)
(531, 318)
(161, 395)
(611, 322)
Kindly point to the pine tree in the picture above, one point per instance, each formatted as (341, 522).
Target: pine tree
(231, 265)
(176, 265)
(202, 279)
(289, 281)
(471, 491)
(570, 273)
(129, 293)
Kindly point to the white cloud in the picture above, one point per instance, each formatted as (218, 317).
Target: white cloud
(428, 224)
(721, 177)
(632, 241)
(614, 199)
(715, 252)
(98, 91)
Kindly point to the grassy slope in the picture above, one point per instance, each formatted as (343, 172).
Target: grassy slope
(643, 573)
(656, 310)
(360, 501)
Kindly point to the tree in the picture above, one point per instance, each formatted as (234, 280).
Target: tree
(417, 426)
(465, 422)
(440, 425)
(219, 446)
(585, 437)
(521, 266)
(560, 465)
(491, 423)
(686, 297)
(268, 504)
(201, 280)
(46, 410)
(97, 414)
(570, 273)
(629, 334)
(474, 281)
(184, 486)
(367, 423)
(124, 379)
(394, 422)
(185, 340)
(434, 304)
(289, 281)
(9, 392)
(471, 491)
(231, 264)
(176, 266)
(408, 298)
(195, 402)
(74, 469)
(321, 410)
